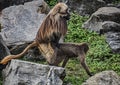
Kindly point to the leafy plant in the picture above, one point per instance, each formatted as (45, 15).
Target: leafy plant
(116, 1)
(51, 3)
(99, 57)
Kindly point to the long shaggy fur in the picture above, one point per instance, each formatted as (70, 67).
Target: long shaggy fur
(52, 28)
(47, 39)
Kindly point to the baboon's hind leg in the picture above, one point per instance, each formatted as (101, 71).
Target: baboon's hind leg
(65, 61)
(83, 63)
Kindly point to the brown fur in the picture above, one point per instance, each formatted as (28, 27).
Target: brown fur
(53, 27)
(47, 40)
(54, 24)
(73, 50)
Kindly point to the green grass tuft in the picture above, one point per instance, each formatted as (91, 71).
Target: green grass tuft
(99, 57)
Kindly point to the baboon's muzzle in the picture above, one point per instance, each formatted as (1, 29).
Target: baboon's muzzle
(67, 17)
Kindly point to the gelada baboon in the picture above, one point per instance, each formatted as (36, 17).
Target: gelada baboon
(47, 39)
(53, 27)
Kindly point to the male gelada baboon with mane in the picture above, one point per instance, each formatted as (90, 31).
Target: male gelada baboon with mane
(47, 39)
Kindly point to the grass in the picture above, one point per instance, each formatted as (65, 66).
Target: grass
(116, 1)
(99, 57)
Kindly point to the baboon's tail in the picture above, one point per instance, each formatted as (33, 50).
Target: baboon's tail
(9, 57)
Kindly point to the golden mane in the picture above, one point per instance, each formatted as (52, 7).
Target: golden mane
(49, 27)
(52, 25)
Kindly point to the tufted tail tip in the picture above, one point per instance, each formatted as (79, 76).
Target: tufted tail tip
(5, 60)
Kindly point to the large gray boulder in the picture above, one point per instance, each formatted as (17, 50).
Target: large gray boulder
(108, 26)
(109, 1)
(21, 23)
(27, 73)
(85, 7)
(7, 3)
(104, 78)
(106, 21)
(96, 20)
(112, 33)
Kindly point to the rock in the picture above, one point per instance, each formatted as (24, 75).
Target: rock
(34, 55)
(113, 39)
(7, 3)
(112, 33)
(4, 51)
(110, 26)
(104, 78)
(118, 5)
(109, 1)
(106, 21)
(27, 73)
(86, 7)
(17, 2)
(21, 23)
(103, 14)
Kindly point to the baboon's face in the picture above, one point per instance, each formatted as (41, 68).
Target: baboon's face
(64, 12)
(60, 10)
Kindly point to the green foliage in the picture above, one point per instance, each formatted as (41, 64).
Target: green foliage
(99, 57)
(116, 1)
(51, 3)
(98, 45)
